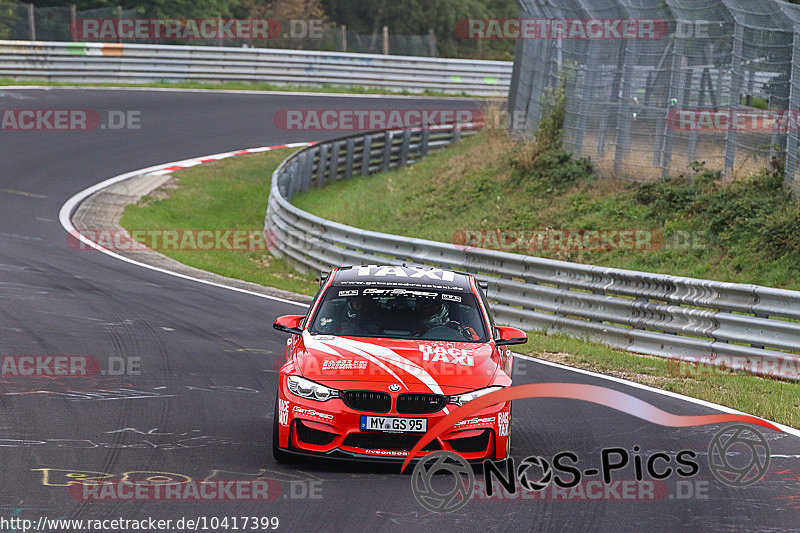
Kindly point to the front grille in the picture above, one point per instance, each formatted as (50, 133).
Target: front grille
(313, 436)
(387, 441)
(369, 401)
(420, 404)
(471, 444)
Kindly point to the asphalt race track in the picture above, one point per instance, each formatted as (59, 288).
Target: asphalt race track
(202, 407)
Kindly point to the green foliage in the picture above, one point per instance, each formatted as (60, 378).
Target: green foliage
(156, 8)
(7, 8)
(416, 17)
(753, 213)
(542, 165)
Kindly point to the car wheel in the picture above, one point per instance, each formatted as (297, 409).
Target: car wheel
(279, 455)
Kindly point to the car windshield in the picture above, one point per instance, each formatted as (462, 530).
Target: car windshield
(408, 313)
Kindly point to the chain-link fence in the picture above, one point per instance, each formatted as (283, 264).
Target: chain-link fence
(694, 80)
(19, 21)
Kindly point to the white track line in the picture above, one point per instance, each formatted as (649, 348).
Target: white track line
(65, 215)
(69, 207)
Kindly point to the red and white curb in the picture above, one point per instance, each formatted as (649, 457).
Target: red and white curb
(69, 207)
(216, 157)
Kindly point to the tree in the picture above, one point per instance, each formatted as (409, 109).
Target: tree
(286, 11)
(417, 17)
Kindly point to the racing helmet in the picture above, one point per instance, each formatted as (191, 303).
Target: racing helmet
(435, 314)
(359, 307)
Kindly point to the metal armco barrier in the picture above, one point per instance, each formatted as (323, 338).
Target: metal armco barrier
(746, 326)
(132, 63)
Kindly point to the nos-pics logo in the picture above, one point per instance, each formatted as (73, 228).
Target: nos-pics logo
(738, 456)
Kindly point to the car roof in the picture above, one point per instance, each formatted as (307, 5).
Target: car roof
(401, 276)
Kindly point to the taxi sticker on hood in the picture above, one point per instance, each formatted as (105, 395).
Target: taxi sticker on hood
(456, 356)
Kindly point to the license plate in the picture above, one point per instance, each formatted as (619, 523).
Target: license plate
(386, 423)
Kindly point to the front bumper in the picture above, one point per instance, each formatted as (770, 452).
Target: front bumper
(332, 429)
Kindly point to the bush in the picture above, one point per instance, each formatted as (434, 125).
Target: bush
(543, 162)
(754, 213)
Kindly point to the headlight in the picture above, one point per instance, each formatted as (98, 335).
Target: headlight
(461, 399)
(306, 388)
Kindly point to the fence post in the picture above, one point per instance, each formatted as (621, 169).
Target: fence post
(423, 143)
(431, 43)
(705, 76)
(334, 164)
(674, 83)
(31, 22)
(344, 37)
(735, 91)
(790, 173)
(348, 162)
(119, 16)
(624, 128)
(322, 166)
(387, 150)
(386, 40)
(365, 155)
(307, 168)
(404, 148)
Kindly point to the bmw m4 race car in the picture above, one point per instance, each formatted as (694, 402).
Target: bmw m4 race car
(383, 354)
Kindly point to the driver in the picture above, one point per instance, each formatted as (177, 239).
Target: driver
(435, 314)
(360, 317)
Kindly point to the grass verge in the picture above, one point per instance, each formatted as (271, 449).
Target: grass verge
(768, 398)
(746, 232)
(229, 195)
(238, 86)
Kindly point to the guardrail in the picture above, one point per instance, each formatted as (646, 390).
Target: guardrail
(745, 326)
(136, 63)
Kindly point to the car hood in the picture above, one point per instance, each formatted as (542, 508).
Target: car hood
(420, 366)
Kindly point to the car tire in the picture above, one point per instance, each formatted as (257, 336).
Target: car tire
(280, 455)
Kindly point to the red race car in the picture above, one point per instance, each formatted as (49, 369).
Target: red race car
(383, 354)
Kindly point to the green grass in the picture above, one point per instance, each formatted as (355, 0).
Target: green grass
(768, 398)
(747, 232)
(228, 194)
(233, 85)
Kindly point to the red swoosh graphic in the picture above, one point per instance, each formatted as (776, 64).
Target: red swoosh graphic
(588, 393)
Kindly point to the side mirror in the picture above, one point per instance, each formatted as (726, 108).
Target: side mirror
(289, 324)
(509, 336)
